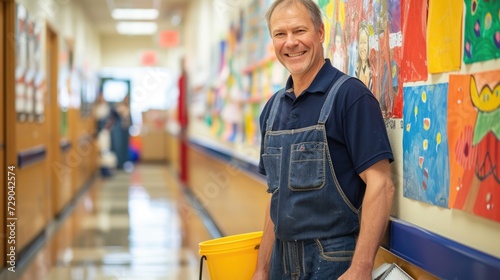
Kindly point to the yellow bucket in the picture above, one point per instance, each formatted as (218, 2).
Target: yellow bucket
(231, 257)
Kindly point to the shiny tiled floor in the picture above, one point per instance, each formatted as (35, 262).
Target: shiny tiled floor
(132, 226)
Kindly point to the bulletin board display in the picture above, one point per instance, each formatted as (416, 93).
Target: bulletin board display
(30, 75)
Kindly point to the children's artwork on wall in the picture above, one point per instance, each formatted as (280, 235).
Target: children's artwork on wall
(225, 115)
(65, 60)
(21, 42)
(364, 41)
(39, 96)
(75, 83)
(474, 142)
(231, 113)
(414, 22)
(443, 35)
(257, 39)
(39, 83)
(279, 76)
(481, 30)
(215, 98)
(88, 93)
(29, 78)
(334, 19)
(425, 145)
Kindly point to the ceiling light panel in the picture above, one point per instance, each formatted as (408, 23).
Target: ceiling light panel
(136, 27)
(134, 14)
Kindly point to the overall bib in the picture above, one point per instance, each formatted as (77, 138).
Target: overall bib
(316, 226)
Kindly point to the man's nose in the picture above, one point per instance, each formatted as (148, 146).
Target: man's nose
(291, 40)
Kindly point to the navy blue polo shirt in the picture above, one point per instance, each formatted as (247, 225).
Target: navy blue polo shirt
(356, 132)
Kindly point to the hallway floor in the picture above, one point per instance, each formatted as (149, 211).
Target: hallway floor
(135, 225)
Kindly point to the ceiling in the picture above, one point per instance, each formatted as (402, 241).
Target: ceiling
(170, 16)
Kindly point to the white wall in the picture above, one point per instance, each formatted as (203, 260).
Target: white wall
(199, 36)
(126, 51)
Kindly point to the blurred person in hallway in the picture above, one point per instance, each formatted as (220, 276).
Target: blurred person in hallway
(326, 155)
(102, 112)
(120, 138)
(104, 123)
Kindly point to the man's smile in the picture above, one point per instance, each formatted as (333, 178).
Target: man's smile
(295, 54)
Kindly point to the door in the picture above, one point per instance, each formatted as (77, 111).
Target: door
(2, 129)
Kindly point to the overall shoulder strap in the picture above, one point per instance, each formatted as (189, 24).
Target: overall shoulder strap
(274, 109)
(327, 106)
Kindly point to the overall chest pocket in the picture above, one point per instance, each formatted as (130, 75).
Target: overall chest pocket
(272, 164)
(307, 166)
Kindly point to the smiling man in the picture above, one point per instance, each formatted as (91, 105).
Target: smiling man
(326, 155)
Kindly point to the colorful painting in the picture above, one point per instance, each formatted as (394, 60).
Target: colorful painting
(39, 80)
(364, 40)
(20, 39)
(425, 144)
(63, 82)
(256, 35)
(474, 141)
(481, 30)
(414, 22)
(443, 35)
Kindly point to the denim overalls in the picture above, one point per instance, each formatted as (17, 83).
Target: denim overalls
(315, 224)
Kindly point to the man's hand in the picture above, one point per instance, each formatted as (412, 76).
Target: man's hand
(260, 275)
(356, 274)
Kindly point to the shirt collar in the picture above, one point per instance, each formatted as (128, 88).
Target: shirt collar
(321, 82)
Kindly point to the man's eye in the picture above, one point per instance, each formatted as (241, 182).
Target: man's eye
(279, 34)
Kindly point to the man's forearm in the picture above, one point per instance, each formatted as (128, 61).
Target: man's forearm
(374, 220)
(375, 215)
(266, 246)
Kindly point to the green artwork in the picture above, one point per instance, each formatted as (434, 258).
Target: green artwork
(322, 3)
(482, 31)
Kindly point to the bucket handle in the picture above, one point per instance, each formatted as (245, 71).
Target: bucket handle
(201, 265)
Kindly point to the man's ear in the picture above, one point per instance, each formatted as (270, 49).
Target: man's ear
(322, 33)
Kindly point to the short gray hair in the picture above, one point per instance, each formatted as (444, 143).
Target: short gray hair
(311, 7)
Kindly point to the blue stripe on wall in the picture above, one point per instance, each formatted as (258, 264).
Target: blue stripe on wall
(31, 156)
(441, 256)
(65, 145)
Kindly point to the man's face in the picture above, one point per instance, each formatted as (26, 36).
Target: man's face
(297, 44)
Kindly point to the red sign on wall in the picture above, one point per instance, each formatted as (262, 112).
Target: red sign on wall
(149, 58)
(169, 38)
